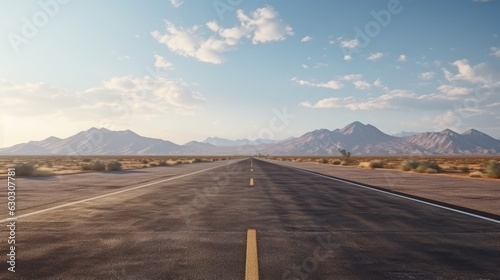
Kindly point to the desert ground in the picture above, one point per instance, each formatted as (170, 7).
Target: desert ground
(458, 166)
(63, 165)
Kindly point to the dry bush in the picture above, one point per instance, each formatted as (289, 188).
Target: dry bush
(476, 174)
(335, 161)
(114, 166)
(24, 169)
(492, 169)
(377, 163)
(364, 164)
(323, 160)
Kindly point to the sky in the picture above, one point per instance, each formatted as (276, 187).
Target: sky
(184, 70)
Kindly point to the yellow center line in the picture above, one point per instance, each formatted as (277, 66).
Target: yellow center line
(252, 264)
(251, 181)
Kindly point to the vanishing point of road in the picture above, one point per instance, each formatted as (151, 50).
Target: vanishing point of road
(245, 219)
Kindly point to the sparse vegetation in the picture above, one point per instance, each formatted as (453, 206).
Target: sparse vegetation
(24, 169)
(323, 161)
(335, 161)
(163, 163)
(94, 166)
(420, 166)
(30, 170)
(346, 156)
(114, 166)
(377, 163)
(476, 174)
(464, 169)
(492, 169)
(196, 160)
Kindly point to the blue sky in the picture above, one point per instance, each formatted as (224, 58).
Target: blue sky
(186, 70)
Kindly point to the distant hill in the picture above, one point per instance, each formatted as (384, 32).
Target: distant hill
(356, 137)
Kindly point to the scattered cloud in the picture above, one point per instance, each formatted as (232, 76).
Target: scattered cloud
(176, 3)
(474, 74)
(329, 85)
(305, 66)
(162, 63)
(452, 90)
(426, 76)
(118, 97)
(348, 43)
(320, 65)
(262, 26)
(306, 39)
(347, 57)
(401, 58)
(495, 52)
(375, 56)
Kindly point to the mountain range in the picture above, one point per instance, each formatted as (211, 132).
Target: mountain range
(356, 137)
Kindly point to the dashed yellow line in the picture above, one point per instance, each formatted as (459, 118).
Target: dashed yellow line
(252, 264)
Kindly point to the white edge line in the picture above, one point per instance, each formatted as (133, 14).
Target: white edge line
(108, 194)
(398, 195)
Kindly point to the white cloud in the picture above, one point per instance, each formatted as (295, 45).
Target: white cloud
(375, 56)
(263, 26)
(452, 90)
(426, 75)
(176, 3)
(320, 65)
(329, 85)
(495, 52)
(348, 44)
(362, 84)
(352, 77)
(305, 66)
(473, 74)
(402, 58)
(162, 63)
(306, 39)
(118, 97)
(347, 57)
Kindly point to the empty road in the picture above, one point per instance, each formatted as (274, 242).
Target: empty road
(248, 219)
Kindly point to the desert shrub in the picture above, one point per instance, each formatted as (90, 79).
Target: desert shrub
(420, 166)
(196, 160)
(178, 162)
(343, 163)
(49, 164)
(335, 161)
(163, 163)
(476, 174)
(364, 164)
(323, 160)
(492, 169)
(96, 166)
(408, 164)
(42, 173)
(431, 170)
(145, 161)
(29, 169)
(153, 164)
(464, 169)
(24, 169)
(87, 160)
(114, 166)
(144, 166)
(346, 156)
(377, 163)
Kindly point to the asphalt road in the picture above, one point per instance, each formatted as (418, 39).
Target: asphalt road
(197, 227)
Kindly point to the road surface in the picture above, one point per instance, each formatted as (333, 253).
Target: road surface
(248, 219)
